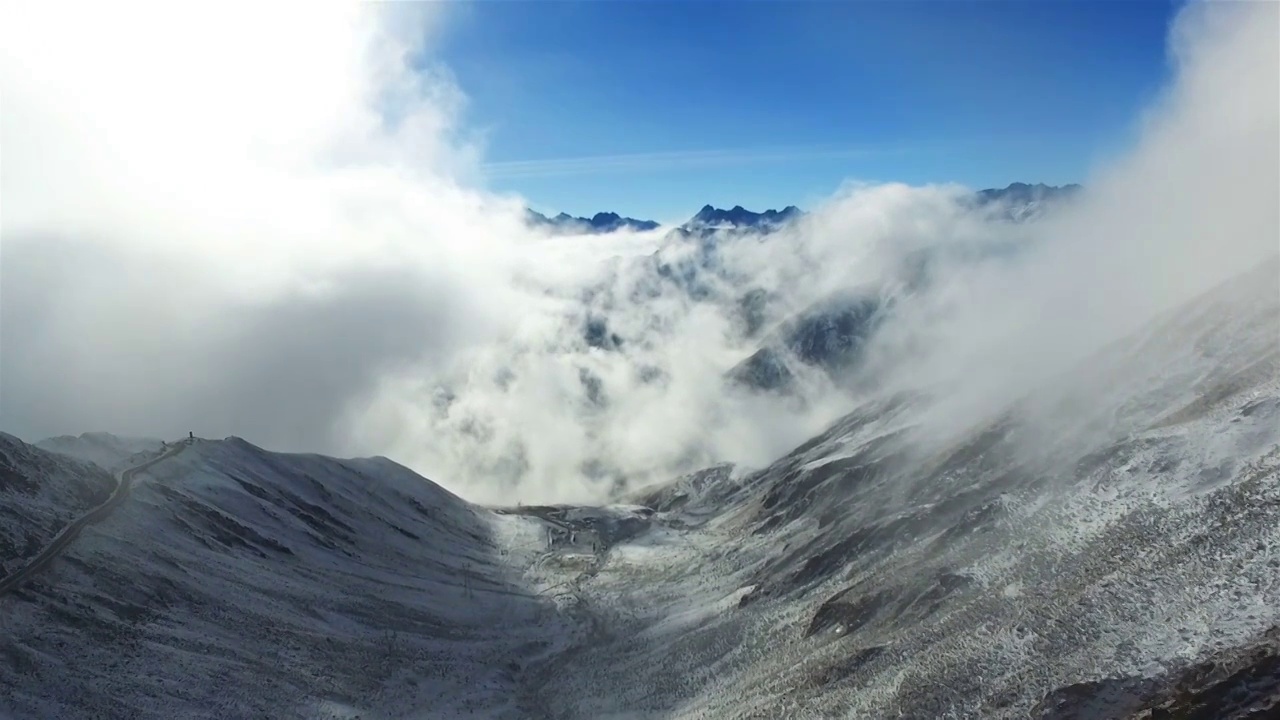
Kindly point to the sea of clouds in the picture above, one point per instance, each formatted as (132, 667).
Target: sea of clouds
(279, 229)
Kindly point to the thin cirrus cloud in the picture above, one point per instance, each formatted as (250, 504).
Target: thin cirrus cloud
(660, 161)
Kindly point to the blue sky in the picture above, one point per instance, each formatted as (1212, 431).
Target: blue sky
(653, 109)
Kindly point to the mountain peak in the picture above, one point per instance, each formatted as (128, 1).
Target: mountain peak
(739, 217)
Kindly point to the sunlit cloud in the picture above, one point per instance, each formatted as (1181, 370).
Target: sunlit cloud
(203, 232)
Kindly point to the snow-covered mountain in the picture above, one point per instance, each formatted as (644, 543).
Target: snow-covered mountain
(768, 299)
(39, 494)
(235, 582)
(1109, 555)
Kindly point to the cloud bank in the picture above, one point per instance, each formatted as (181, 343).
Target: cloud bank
(1191, 204)
(271, 227)
(234, 225)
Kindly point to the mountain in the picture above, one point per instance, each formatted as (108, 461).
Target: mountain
(236, 582)
(739, 217)
(1021, 202)
(828, 335)
(40, 493)
(710, 221)
(1022, 199)
(1106, 547)
(1023, 193)
(604, 222)
(1012, 573)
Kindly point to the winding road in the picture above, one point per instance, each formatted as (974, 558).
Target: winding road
(70, 532)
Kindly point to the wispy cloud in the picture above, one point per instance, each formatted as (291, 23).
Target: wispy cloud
(659, 161)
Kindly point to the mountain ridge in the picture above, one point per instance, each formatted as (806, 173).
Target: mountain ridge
(599, 224)
(1025, 201)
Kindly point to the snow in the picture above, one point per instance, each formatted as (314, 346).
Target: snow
(243, 582)
(39, 495)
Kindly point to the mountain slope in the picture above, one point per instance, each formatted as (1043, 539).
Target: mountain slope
(39, 494)
(237, 582)
(860, 576)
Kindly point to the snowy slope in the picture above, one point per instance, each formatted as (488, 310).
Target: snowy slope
(856, 578)
(39, 494)
(241, 583)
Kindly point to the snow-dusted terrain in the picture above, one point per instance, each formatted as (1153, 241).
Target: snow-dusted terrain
(1078, 556)
(239, 583)
(102, 449)
(39, 494)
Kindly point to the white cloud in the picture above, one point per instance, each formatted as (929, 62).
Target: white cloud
(1190, 205)
(262, 223)
(177, 181)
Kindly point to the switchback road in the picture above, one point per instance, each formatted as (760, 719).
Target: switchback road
(71, 531)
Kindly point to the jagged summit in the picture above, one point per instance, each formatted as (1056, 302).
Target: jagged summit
(600, 223)
(740, 217)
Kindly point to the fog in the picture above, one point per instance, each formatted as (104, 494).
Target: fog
(200, 231)
(1191, 205)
